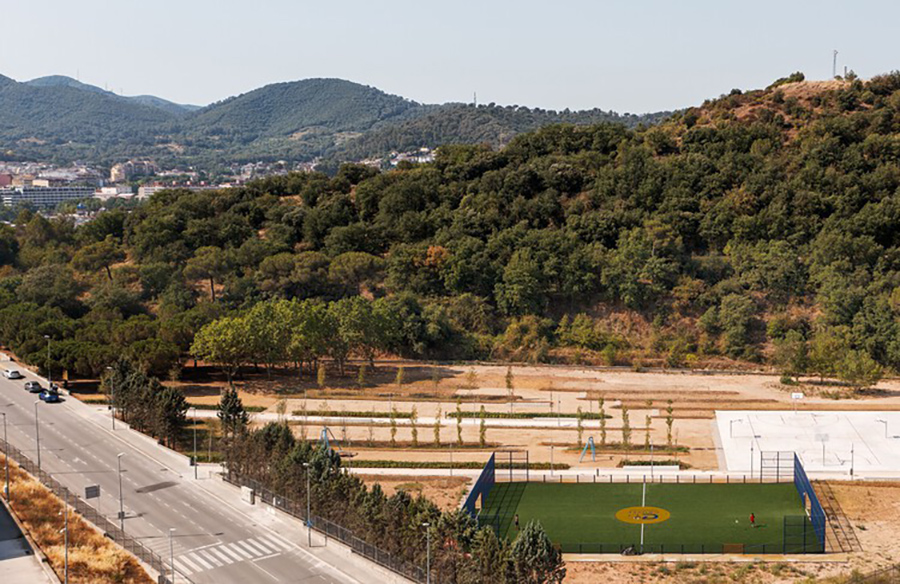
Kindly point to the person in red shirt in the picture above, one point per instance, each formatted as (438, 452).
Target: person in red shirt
(752, 520)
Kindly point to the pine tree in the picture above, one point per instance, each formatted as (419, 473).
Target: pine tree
(437, 428)
(602, 422)
(535, 559)
(626, 429)
(669, 420)
(393, 427)
(361, 375)
(459, 440)
(414, 430)
(580, 427)
(232, 414)
(320, 376)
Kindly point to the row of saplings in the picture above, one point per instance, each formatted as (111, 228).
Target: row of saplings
(461, 552)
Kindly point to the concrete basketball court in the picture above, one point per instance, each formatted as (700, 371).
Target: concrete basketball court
(829, 443)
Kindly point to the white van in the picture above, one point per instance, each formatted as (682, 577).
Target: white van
(12, 374)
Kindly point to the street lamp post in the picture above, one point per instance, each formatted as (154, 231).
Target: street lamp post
(6, 455)
(172, 554)
(121, 502)
(308, 516)
(112, 388)
(66, 530)
(731, 427)
(427, 553)
(49, 373)
(885, 426)
(37, 433)
(195, 442)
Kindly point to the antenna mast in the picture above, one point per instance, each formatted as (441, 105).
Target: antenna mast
(834, 65)
(475, 98)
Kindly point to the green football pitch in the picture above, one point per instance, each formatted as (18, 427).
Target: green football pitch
(702, 517)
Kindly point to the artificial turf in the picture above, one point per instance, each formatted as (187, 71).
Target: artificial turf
(701, 514)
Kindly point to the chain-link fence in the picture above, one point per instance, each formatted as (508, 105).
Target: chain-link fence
(889, 575)
(93, 516)
(330, 529)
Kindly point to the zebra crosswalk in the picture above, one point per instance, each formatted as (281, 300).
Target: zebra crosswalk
(222, 554)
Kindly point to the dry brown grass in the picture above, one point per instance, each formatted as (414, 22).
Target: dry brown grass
(93, 559)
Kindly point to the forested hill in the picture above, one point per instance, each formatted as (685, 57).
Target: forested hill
(469, 124)
(60, 119)
(760, 227)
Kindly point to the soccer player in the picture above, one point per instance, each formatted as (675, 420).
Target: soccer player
(752, 520)
(516, 519)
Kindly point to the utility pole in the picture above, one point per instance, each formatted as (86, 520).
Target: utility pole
(6, 455)
(37, 433)
(121, 502)
(49, 372)
(427, 553)
(195, 443)
(834, 65)
(308, 517)
(112, 387)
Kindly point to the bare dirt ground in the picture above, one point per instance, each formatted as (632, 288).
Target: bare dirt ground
(445, 492)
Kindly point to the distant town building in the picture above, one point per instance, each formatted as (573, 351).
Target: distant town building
(148, 190)
(104, 193)
(5, 180)
(42, 196)
(125, 171)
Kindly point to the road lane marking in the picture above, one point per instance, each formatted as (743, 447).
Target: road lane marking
(195, 557)
(226, 550)
(276, 542)
(210, 559)
(264, 550)
(250, 550)
(183, 560)
(215, 551)
(238, 550)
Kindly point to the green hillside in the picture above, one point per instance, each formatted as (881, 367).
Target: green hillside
(761, 227)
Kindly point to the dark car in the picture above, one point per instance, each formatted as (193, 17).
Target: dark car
(33, 386)
(51, 397)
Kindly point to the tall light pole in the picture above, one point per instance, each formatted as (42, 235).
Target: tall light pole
(66, 530)
(172, 554)
(121, 502)
(6, 455)
(195, 442)
(731, 426)
(49, 373)
(427, 553)
(112, 388)
(885, 426)
(308, 516)
(37, 433)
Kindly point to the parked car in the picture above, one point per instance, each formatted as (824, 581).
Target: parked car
(34, 386)
(12, 374)
(51, 397)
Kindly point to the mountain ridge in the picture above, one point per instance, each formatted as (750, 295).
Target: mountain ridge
(60, 119)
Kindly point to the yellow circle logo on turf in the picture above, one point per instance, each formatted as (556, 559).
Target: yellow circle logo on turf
(645, 515)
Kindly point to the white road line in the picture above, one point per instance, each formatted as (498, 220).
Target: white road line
(240, 551)
(250, 550)
(275, 541)
(217, 552)
(253, 543)
(194, 557)
(185, 561)
(275, 555)
(210, 559)
(226, 550)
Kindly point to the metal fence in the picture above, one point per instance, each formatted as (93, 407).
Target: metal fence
(889, 575)
(329, 528)
(808, 495)
(90, 514)
(481, 489)
(648, 476)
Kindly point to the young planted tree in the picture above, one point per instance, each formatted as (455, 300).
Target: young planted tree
(482, 428)
(414, 430)
(437, 428)
(626, 429)
(602, 421)
(320, 376)
(361, 375)
(435, 378)
(580, 417)
(281, 410)
(510, 389)
(393, 427)
(670, 419)
(471, 379)
(399, 380)
(459, 439)
(648, 420)
(370, 438)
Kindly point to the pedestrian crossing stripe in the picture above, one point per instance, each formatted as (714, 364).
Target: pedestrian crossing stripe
(223, 554)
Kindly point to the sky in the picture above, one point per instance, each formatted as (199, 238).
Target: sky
(628, 56)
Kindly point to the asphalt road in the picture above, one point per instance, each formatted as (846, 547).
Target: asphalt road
(215, 539)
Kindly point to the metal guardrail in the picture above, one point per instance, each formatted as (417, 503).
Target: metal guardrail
(109, 528)
(331, 529)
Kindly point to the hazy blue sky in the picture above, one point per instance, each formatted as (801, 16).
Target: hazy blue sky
(624, 55)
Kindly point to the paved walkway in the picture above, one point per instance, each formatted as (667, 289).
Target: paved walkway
(18, 564)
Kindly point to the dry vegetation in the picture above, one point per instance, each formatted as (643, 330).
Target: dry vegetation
(93, 559)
